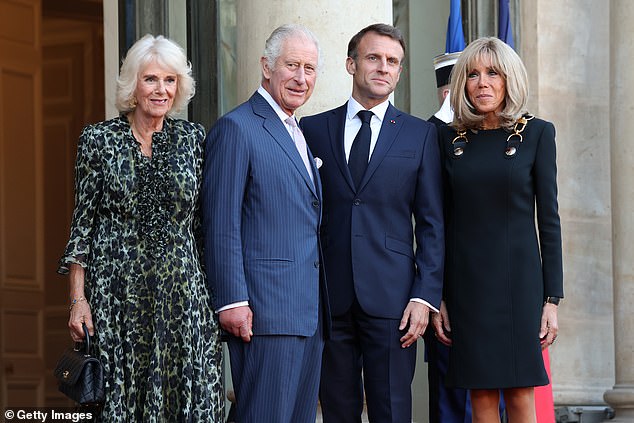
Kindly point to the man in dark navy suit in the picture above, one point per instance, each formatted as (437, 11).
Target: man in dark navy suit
(262, 210)
(381, 169)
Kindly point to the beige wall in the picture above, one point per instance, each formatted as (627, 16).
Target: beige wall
(621, 397)
(332, 23)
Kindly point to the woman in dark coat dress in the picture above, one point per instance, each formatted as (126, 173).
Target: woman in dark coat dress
(503, 277)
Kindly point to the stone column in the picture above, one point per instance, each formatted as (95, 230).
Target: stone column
(569, 86)
(621, 396)
(332, 21)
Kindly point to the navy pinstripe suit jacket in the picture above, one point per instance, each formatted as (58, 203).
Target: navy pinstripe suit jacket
(261, 215)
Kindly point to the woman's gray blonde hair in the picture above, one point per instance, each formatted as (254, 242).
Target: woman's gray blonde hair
(503, 59)
(166, 53)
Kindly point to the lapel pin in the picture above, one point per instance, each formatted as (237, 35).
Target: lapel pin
(392, 121)
(318, 162)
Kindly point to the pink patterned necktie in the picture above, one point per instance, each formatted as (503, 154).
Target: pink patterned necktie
(300, 143)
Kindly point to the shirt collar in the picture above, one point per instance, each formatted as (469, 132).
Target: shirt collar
(445, 113)
(379, 110)
(276, 107)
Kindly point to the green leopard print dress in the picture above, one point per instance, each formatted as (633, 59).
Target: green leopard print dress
(135, 231)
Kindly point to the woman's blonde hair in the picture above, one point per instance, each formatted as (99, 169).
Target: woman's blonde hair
(494, 52)
(167, 54)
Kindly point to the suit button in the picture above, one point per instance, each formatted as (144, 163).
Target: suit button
(356, 202)
(315, 203)
(316, 264)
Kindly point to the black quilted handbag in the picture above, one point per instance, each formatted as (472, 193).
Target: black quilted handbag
(80, 375)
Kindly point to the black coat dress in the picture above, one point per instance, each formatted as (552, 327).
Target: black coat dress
(498, 269)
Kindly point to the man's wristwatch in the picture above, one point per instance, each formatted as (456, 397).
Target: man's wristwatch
(552, 300)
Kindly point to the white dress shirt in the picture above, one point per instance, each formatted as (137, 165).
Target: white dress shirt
(353, 124)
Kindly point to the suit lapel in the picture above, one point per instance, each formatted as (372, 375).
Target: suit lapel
(317, 181)
(336, 125)
(276, 128)
(389, 129)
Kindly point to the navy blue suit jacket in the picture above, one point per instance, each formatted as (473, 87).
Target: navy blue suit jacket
(368, 234)
(261, 215)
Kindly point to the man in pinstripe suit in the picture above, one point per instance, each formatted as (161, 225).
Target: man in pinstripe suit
(262, 209)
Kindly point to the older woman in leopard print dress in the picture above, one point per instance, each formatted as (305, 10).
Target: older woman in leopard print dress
(133, 257)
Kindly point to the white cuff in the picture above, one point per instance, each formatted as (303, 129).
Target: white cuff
(233, 305)
(420, 300)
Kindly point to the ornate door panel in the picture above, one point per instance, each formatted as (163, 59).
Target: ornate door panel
(21, 200)
(72, 96)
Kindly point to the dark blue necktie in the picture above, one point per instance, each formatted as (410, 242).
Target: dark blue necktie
(360, 151)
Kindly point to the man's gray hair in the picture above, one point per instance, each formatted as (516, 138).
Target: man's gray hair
(273, 46)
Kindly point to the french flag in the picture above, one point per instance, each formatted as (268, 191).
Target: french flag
(505, 32)
(455, 36)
